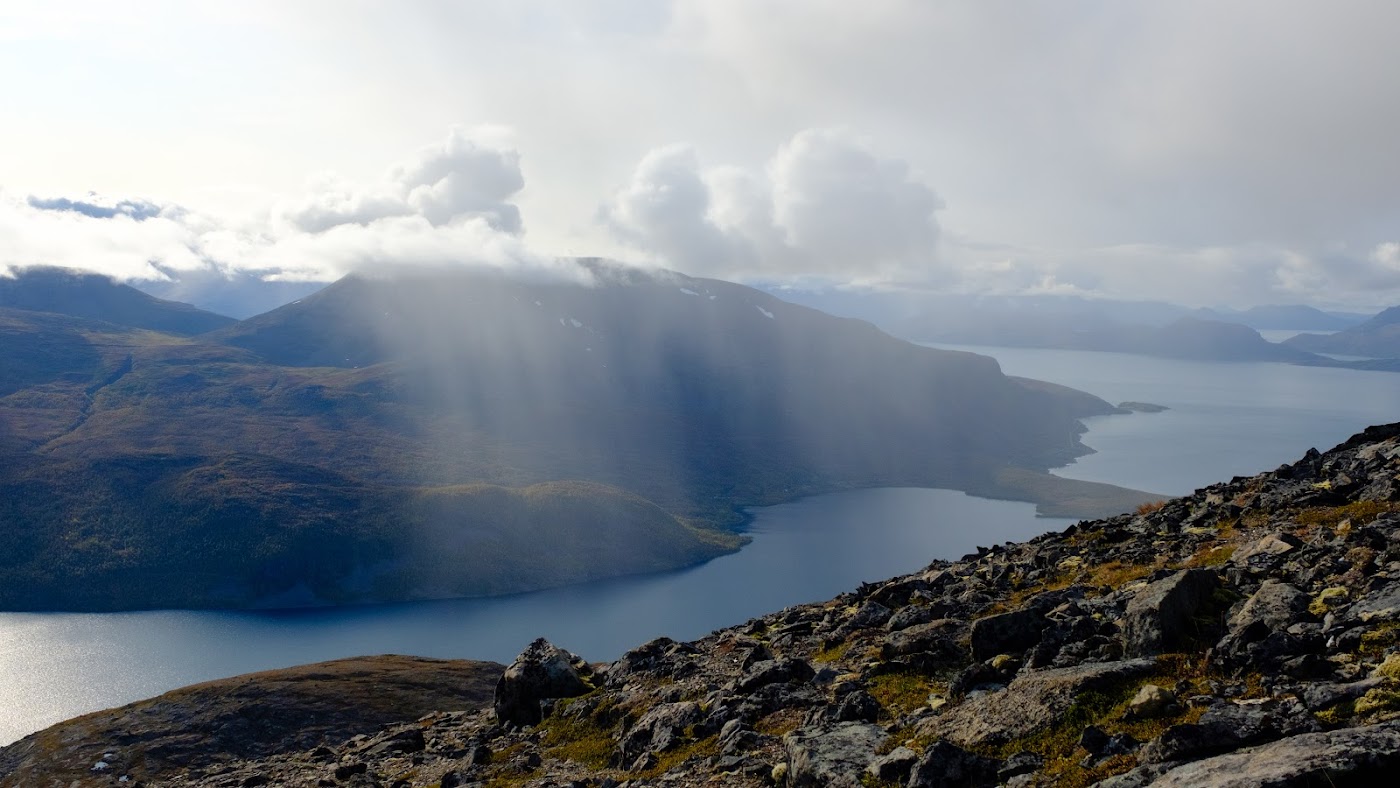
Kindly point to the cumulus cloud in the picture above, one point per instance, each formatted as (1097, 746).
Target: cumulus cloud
(455, 181)
(448, 205)
(824, 206)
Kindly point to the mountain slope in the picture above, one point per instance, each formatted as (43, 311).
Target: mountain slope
(97, 297)
(1247, 635)
(422, 437)
(1378, 337)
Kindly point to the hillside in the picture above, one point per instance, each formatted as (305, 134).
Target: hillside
(1378, 337)
(205, 725)
(421, 437)
(97, 297)
(1246, 635)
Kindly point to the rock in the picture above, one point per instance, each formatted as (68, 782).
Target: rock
(1227, 726)
(1006, 633)
(1159, 616)
(1019, 764)
(1275, 544)
(410, 740)
(858, 706)
(1093, 740)
(1150, 702)
(1034, 701)
(1351, 756)
(936, 637)
(869, 615)
(893, 766)
(909, 616)
(660, 729)
(542, 671)
(944, 765)
(775, 671)
(833, 756)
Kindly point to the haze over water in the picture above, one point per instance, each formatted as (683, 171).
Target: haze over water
(1225, 419)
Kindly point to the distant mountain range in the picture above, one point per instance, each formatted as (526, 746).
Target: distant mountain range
(460, 433)
(1378, 337)
(66, 292)
(1145, 328)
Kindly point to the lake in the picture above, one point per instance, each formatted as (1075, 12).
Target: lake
(1225, 419)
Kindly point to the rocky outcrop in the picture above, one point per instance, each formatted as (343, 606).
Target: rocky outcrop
(1246, 635)
(542, 671)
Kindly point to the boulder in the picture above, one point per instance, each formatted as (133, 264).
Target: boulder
(542, 671)
(660, 729)
(893, 766)
(835, 755)
(1034, 701)
(1007, 633)
(1158, 617)
(774, 671)
(1366, 755)
(945, 765)
(1150, 702)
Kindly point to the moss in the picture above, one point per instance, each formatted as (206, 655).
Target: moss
(901, 693)
(1338, 715)
(582, 741)
(1214, 556)
(1390, 668)
(666, 761)
(1376, 640)
(1328, 599)
(1358, 512)
(834, 653)
(1380, 703)
(779, 722)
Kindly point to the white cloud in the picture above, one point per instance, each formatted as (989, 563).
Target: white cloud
(449, 205)
(824, 206)
(455, 181)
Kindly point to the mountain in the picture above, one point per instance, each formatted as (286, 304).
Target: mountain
(1378, 337)
(1245, 635)
(1296, 317)
(97, 297)
(462, 433)
(1072, 323)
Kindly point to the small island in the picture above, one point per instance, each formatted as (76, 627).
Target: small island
(1142, 407)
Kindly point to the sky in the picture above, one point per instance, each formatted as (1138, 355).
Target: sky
(1206, 153)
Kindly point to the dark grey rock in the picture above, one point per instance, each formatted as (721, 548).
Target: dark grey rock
(833, 755)
(1351, 756)
(660, 729)
(775, 671)
(1159, 617)
(1034, 701)
(542, 671)
(1006, 633)
(893, 766)
(945, 765)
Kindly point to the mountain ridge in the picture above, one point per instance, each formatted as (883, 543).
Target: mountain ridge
(213, 466)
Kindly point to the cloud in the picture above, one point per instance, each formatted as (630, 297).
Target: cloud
(94, 207)
(824, 206)
(455, 181)
(448, 205)
(1238, 275)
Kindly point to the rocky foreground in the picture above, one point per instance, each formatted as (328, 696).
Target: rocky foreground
(1246, 635)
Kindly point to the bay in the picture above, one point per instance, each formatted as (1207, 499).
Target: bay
(57, 665)
(1225, 419)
